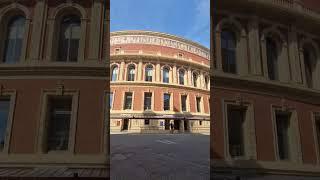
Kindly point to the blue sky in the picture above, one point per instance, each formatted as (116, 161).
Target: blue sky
(186, 18)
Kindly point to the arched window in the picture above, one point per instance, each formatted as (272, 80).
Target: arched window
(114, 75)
(69, 39)
(131, 73)
(228, 51)
(148, 73)
(14, 39)
(309, 64)
(272, 59)
(195, 79)
(181, 76)
(165, 75)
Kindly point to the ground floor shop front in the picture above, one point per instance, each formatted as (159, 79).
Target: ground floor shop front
(159, 126)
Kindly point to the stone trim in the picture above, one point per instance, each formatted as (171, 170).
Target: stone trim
(60, 91)
(249, 138)
(12, 94)
(155, 38)
(295, 152)
(314, 115)
(152, 99)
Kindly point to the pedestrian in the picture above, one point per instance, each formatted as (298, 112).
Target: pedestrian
(171, 127)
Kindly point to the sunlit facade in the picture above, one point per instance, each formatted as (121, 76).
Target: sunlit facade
(266, 89)
(158, 79)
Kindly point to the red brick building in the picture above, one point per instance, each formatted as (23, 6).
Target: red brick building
(266, 88)
(53, 79)
(156, 79)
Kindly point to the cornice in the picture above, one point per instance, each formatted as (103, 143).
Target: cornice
(289, 8)
(173, 41)
(156, 58)
(261, 86)
(265, 168)
(115, 84)
(96, 70)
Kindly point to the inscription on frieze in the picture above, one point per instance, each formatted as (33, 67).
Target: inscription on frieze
(143, 39)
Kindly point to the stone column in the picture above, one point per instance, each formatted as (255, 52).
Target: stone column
(201, 83)
(218, 51)
(51, 42)
(242, 56)
(37, 33)
(254, 47)
(189, 77)
(174, 74)
(139, 72)
(95, 31)
(303, 70)
(294, 56)
(181, 126)
(121, 72)
(158, 72)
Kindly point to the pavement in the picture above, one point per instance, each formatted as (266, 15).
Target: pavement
(160, 157)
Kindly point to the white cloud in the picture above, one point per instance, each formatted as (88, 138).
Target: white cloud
(200, 30)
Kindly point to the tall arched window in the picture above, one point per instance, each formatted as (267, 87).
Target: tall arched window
(195, 79)
(165, 75)
(206, 81)
(69, 39)
(181, 76)
(14, 39)
(272, 59)
(114, 74)
(309, 64)
(131, 73)
(228, 51)
(148, 73)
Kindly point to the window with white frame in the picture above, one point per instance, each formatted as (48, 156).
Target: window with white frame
(282, 132)
(181, 76)
(166, 101)
(183, 103)
(228, 51)
(131, 73)
(4, 118)
(198, 104)
(114, 73)
(147, 100)
(236, 118)
(148, 73)
(59, 118)
(128, 101)
(14, 39)
(165, 75)
(317, 130)
(69, 39)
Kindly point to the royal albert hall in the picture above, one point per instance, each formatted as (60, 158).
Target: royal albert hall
(266, 88)
(158, 79)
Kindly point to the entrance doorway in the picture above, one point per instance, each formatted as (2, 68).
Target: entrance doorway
(167, 124)
(176, 124)
(186, 125)
(125, 125)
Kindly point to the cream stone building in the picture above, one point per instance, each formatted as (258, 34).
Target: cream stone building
(266, 88)
(158, 79)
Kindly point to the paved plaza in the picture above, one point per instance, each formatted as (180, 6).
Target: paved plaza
(160, 157)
